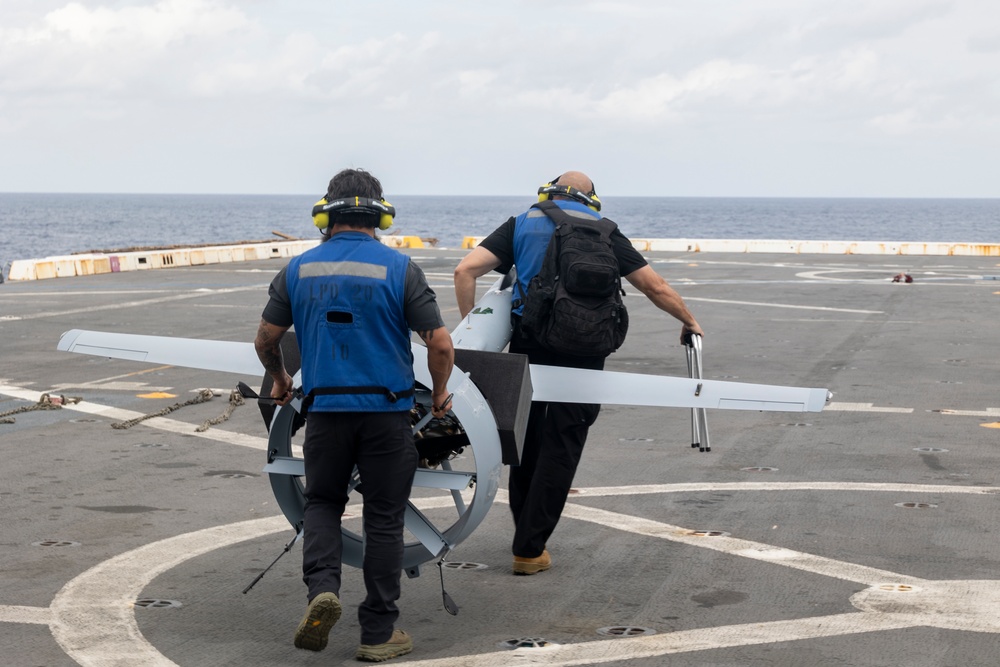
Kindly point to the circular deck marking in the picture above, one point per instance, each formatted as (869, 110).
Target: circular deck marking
(93, 620)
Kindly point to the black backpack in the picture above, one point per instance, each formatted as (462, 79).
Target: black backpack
(574, 304)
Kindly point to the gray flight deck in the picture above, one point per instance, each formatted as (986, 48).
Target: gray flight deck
(866, 534)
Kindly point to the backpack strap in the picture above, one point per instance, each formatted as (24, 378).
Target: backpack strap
(560, 217)
(550, 261)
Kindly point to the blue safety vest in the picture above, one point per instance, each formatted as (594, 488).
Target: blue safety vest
(532, 233)
(347, 298)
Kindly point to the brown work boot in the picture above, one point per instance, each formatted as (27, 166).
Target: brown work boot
(533, 565)
(322, 614)
(399, 644)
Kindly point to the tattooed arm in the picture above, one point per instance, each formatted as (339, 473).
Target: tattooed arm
(268, 346)
(440, 359)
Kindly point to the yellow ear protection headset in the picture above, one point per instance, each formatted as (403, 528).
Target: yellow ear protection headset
(589, 198)
(323, 208)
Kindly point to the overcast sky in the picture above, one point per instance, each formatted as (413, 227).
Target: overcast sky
(841, 98)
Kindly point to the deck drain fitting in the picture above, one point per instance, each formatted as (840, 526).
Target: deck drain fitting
(625, 631)
(759, 469)
(55, 543)
(917, 506)
(83, 421)
(930, 449)
(635, 440)
(707, 533)
(459, 565)
(232, 475)
(526, 642)
(156, 603)
(798, 424)
(155, 445)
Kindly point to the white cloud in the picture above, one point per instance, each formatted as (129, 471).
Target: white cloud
(132, 51)
(247, 85)
(666, 97)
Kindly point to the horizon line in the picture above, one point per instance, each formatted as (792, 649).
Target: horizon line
(616, 196)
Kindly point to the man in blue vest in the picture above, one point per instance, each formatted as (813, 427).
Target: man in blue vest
(556, 432)
(354, 302)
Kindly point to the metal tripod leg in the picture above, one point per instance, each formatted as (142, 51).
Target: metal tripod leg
(699, 420)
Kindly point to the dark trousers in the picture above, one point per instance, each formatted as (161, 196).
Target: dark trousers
(553, 445)
(381, 446)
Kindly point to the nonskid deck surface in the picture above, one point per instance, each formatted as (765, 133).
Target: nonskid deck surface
(863, 534)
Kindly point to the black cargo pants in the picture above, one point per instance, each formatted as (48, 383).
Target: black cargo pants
(553, 446)
(381, 445)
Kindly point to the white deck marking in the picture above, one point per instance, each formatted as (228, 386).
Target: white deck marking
(988, 412)
(919, 277)
(102, 596)
(131, 304)
(695, 487)
(737, 547)
(110, 383)
(785, 305)
(161, 423)
(33, 295)
(92, 618)
(863, 407)
(685, 641)
(16, 614)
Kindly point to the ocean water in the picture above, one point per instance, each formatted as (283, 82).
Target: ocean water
(43, 225)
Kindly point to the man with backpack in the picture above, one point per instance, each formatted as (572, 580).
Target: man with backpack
(567, 311)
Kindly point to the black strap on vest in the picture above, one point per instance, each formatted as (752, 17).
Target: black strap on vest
(393, 396)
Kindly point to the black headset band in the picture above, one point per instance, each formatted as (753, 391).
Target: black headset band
(590, 199)
(592, 193)
(354, 205)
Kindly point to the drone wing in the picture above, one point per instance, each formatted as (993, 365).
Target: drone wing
(577, 385)
(211, 355)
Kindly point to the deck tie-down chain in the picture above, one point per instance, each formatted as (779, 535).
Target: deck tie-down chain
(204, 395)
(45, 402)
(49, 402)
(235, 400)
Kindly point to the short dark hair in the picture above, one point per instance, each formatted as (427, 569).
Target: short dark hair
(355, 183)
